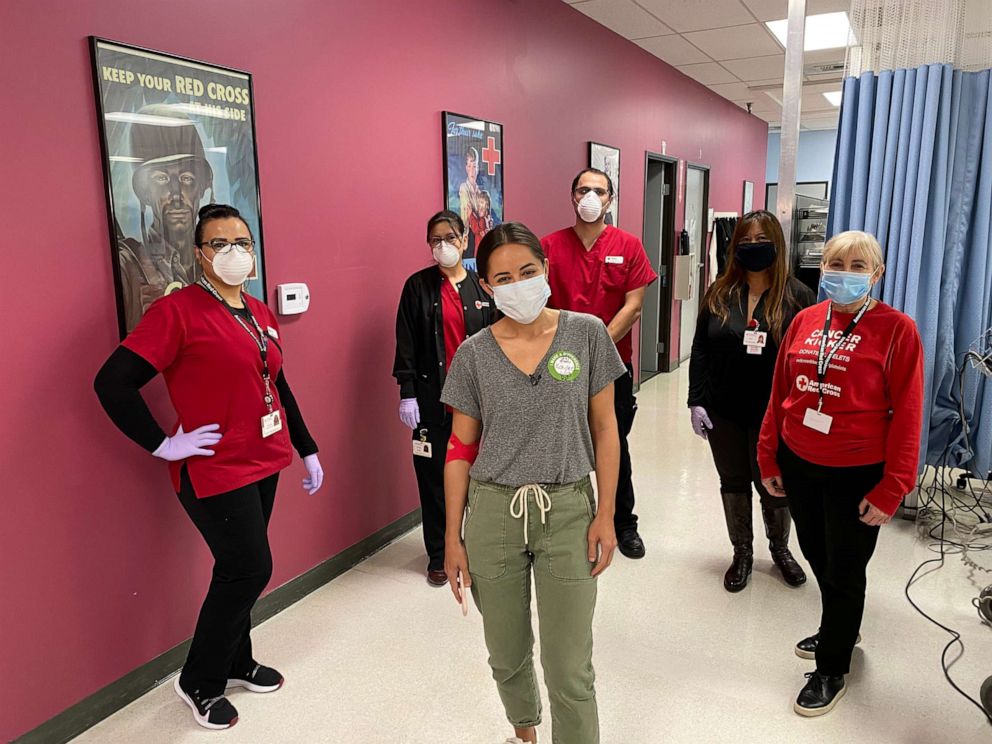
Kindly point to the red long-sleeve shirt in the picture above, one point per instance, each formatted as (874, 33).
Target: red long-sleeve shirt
(873, 390)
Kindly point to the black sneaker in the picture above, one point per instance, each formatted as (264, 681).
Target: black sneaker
(806, 648)
(260, 679)
(213, 713)
(631, 544)
(820, 694)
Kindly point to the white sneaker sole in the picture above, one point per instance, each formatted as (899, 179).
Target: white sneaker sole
(251, 687)
(814, 712)
(811, 655)
(202, 720)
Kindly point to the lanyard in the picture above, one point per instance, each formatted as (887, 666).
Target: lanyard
(261, 340)
(823, 358)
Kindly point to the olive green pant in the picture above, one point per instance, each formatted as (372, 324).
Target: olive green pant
(501, 564)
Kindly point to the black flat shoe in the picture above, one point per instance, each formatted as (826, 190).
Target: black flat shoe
(820, 695)
(806, 648)
(631, 544)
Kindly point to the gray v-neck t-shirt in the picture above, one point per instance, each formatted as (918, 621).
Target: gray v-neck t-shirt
(535, 428)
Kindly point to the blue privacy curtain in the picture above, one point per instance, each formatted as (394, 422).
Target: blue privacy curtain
(914, 167)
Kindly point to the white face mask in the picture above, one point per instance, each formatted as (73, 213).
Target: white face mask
(447, 255)
(590, 207)
(233, 267)
(523, 301)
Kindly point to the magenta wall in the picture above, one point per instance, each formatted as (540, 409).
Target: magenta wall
(101, 570)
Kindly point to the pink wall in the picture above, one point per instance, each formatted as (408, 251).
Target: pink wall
(101, 569)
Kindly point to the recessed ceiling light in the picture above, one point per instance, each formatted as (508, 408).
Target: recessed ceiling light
(833, 96)
(823, 31)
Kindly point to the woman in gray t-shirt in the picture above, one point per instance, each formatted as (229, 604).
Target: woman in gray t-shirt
(532, 397)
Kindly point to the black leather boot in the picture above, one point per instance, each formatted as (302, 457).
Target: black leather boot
(737, 509)
(777, 524)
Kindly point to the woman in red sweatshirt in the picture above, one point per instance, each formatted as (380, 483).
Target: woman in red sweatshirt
(841, 441)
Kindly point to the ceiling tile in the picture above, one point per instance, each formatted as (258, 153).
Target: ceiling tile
(733, 91)
(823, 56)
(708, 73)
(693, 15)
(821, 124)
(815, 102)
(673, 49)
(758, 68)
(776, 10)
(624, 17)
(750, 40)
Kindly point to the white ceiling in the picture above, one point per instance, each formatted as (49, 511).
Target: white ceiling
(725, 45)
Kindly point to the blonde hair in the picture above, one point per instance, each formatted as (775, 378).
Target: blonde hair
(844, 244)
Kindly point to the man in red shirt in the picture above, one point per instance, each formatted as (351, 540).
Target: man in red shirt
(601, 270)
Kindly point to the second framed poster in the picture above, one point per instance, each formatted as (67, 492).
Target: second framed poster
(607, 159)
(473, 175)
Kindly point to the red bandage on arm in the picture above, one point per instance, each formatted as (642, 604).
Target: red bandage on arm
(458, 450)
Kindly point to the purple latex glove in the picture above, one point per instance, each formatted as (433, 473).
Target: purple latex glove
(315, 474)
(185, 444)
(410, 412)
(700, 421)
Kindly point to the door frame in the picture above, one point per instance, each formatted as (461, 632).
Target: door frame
(668, 244)
(703, 248)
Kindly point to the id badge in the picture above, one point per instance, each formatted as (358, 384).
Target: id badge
(422, 449)
(756, 338)
(818, 421)
(271, 423)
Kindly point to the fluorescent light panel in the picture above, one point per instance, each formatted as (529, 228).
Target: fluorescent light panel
(823, 31)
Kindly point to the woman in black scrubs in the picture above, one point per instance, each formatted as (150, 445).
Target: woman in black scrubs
(219, 351)
(440, 307)
(742, 320)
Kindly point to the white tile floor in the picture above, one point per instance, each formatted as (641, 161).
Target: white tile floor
(378, 656)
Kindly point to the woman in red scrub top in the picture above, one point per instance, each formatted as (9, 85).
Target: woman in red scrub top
(219, 351)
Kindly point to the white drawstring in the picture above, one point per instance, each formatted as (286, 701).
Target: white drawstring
(518, 506)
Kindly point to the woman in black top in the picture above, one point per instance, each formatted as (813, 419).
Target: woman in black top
(742, 320)
(440, 307)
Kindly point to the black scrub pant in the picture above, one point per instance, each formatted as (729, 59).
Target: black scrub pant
(235, 528)
(625, 406)
(430, 483)
(735, 454)
(824, 503)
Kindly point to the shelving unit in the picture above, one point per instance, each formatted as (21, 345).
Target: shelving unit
(809, 221)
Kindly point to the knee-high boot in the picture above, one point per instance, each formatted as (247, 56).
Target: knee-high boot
(777, 524)
(737, 509)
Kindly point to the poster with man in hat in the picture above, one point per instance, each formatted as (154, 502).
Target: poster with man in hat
(177, 134)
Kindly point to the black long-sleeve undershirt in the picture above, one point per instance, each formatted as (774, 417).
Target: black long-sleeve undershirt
(118, 385)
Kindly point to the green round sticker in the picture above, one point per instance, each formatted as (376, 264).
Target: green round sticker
(564, 366)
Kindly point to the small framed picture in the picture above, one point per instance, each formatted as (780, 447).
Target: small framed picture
(473, 175)
(748, 197)
(607, 159)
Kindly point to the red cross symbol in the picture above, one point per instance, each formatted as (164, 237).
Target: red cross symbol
(491, 156)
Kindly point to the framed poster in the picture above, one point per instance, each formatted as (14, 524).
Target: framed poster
(748, 197)
(473, 175)
(607, 159)
(175, 134)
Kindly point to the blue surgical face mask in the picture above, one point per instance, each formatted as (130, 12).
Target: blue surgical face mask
(845, 287)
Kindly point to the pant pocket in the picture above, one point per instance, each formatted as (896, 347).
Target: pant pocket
(485, 533)
(567, 535)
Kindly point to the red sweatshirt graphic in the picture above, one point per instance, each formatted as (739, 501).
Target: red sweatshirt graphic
(873, 390)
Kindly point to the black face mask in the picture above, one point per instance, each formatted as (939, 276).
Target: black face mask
(755, 256)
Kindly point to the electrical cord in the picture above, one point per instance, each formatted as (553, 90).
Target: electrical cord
(970, 523)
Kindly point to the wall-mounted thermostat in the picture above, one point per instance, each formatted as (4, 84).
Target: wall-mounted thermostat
(293, 298)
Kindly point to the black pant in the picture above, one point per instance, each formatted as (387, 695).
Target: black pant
(824, 502)
(235, 528)
(735, 454)
(625, 406)
(430, 482)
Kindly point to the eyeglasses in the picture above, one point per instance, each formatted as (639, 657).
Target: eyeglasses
(583, 190)
(222, 247)
(449, 238)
